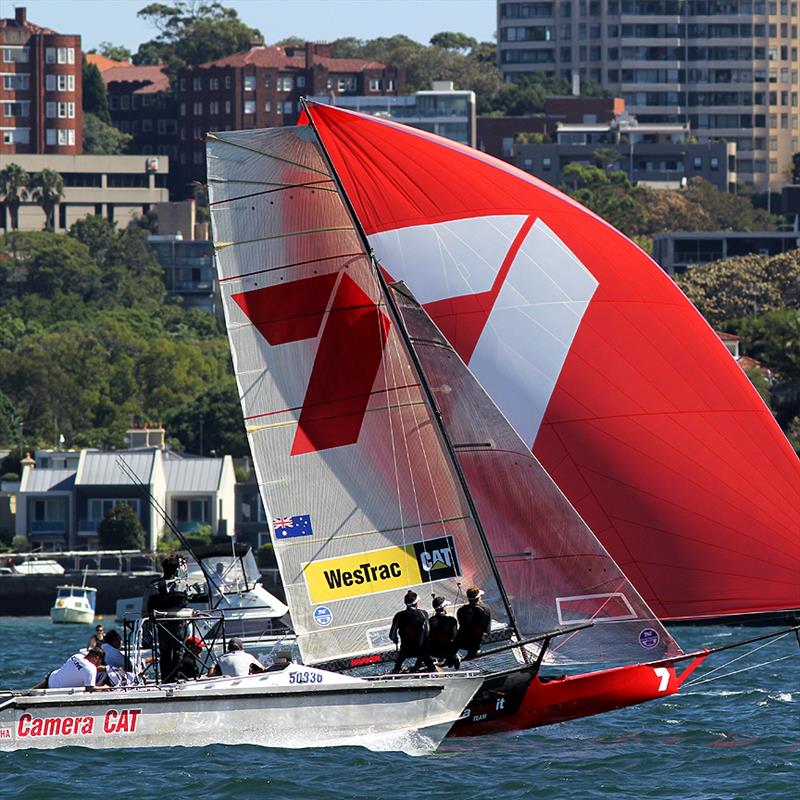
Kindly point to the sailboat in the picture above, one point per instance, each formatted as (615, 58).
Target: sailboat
(605, 370)
(369, 433)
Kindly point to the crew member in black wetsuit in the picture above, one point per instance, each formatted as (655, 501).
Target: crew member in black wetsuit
(411, 626)
(474, 621)
(168, 594)
(442, 635)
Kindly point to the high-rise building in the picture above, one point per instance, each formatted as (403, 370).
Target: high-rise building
(40, 89)
(729, 68)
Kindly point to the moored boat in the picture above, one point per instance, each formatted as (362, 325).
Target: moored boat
(74, 604)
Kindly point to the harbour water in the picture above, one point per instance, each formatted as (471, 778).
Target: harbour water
(736, 738)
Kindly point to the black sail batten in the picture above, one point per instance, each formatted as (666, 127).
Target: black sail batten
(420, 375)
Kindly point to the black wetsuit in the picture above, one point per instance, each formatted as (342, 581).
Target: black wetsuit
(474, 620)
(169, 595)
(442, 638)
(411, 625)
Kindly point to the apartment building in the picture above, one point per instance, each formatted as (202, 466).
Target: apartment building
(261, 87)
(442, 110)
(40, 89)
(729, 68)
(140, 103)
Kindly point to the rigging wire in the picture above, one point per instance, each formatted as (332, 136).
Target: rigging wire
(735, 672)
(707, 679)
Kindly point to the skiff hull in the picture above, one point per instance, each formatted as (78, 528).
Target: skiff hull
(517, 700)
(298, 707)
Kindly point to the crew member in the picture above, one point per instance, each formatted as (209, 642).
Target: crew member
(236, 663)
(78, 670)
(190, 666)
(410, 630)
(442, 635)
(474, 622)
(168, 596)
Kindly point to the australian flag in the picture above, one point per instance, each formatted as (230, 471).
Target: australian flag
(289, 527)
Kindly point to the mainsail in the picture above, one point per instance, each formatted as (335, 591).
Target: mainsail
(602, 366)
(553, 568)
(350, 464)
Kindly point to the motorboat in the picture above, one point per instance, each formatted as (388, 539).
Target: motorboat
(296, 707)
(74, 604)
(226, 578)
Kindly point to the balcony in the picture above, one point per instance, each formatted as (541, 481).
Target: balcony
(48, 526)
(88, 527)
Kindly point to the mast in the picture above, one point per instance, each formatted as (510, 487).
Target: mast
(398, 320)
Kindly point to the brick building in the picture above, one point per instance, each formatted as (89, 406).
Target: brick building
(140, 103)
(261, 87)
(40, 89)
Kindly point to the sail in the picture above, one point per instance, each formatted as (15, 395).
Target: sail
(364, 501)
(605, 370)
(553, 568)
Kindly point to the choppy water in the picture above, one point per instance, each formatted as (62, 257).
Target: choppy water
(732, 739)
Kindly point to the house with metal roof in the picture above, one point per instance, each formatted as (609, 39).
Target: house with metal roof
(62, 508)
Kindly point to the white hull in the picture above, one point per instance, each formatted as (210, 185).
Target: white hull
(69, 614)
(298, 707)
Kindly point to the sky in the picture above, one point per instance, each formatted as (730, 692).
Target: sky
(314, 20)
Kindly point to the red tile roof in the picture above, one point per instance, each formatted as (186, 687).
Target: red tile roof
(129, 73)
(275, 56)
(104, 63)
(29, 26)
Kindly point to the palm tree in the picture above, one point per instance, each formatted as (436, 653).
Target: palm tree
(14, 183)
(48, 190)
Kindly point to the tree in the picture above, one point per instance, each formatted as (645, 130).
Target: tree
(121, 529)
(606, 158)
(95, 100)
(102, 139)
(458, 42)
(193, 32)
(14, 182)
(116, 52)
(10, 422)
(47, 189)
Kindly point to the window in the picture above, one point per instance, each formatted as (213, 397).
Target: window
(20, 108)
(147, 125)
(50, 55)
(301, 81)
(390, 85)
(287, 107)
(197, 108)
(547, 163)
(227, 81)
(15, 55)
(62, 110)
(284, 84)
(197, 157)
(168, 126)
(66, 83)
(191, 510)
(99, 508)
(182, 109)
(124, 102)
(697, 162)
(227, 106)
(374, 84)
(16, 136)
(213, 84)
(249, 83)
(20, 81)
(197, 133)
(213, 107)
(66, 136)
(268, 106)
(197, 84)
(63, 55)
(249, 106)
(713, 163)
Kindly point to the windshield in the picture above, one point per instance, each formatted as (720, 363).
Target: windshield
(232, 574)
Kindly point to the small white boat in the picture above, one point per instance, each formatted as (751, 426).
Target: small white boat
(75, 604)
(297, 707)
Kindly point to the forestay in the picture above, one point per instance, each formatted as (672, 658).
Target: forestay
(349, 460)
(553, 568)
